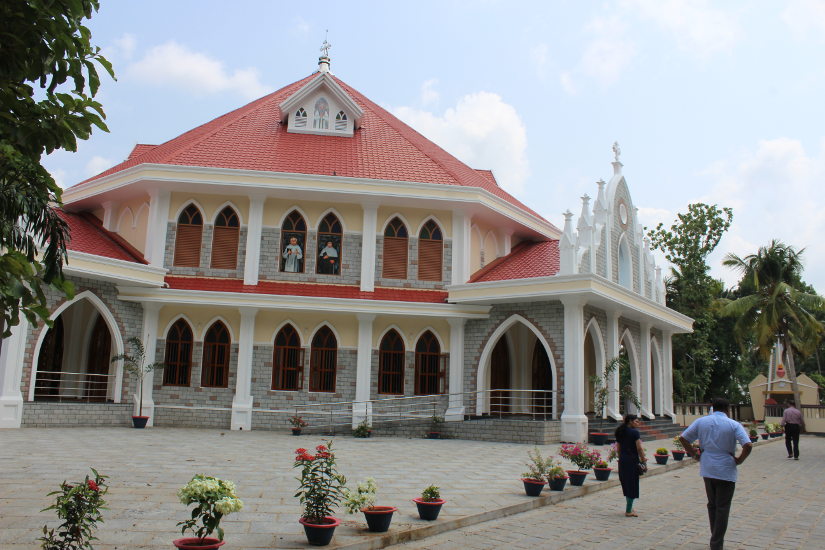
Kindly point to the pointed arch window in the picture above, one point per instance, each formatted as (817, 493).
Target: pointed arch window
(341, 121)
(323, 361)
(178, 356)
(391, 364)
(430, 252)
(330, 253)
(300, 118)
(225, 239)
(430, 365)
(625, 264)
(320, 119)
(287, 360)
(188, 237)
(215, 366)
(395, 250)
(294, 234)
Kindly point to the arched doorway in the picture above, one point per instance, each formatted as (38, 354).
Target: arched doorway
(98, 362)
(629, 376)
(589, 373)
(543, 381)
(500, 377)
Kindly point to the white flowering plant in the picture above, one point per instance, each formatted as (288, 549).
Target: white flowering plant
(214, 498)
(362, 498)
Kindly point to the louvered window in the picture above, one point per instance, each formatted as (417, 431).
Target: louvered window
(395, 250)
(341, 121)
(391, 364)
(188, 239)
(323, 361)
(430, 252)
(330, 252)
(300, 118)
(287, 360)
(215, 366)
(293, 239)
(430, 366)
(178, 357)
(227, 231)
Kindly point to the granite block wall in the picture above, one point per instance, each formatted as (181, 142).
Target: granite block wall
(48, 415)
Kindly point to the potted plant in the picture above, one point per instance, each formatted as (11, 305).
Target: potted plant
(679, 452)
(136, 365)
(556, 476)
(776, 430)
(78, 505)
(602, 470)
(430, 503)
(583, 457)
(753, 435)
(213, 499)
(363, 499)
(661, 455)
(362, 430)
(297, 424)
(765, 434)
(533, 478)
(435, 430)
(320, 490)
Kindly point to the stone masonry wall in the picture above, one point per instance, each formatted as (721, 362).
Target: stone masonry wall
(270, 262)
(47, 415)
(194, 395)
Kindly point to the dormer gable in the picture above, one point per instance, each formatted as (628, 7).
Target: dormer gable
(321, 106)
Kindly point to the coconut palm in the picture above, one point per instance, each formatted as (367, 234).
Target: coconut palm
(772, 307)
(135, 363)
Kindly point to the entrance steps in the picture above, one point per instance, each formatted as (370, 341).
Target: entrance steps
(661, 427)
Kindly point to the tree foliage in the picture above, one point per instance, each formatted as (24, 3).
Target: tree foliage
(48, 80)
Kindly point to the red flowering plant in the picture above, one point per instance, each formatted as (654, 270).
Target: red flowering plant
(581, 455)
(78, 505)
(321, 486)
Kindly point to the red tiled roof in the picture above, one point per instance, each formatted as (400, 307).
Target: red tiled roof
(139, 149)
(86, 234)
(253, 138)
(306, 289)
(527, 260)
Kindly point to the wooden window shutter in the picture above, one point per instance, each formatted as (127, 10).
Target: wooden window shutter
(188, 245)
(395, 258)
(429, 260)
(225, 247)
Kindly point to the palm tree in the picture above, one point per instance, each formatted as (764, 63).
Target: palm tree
(772, 307)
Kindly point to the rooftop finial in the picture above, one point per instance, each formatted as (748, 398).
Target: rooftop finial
(323, 61)
(616, 151)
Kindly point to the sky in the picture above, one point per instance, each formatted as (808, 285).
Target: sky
(715, 102)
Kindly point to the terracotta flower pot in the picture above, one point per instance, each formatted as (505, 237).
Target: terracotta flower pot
(195, 543)
(429, 509)
(379, 518)
(320, 534)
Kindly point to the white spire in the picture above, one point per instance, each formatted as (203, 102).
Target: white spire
(617, 165)
(323, 61)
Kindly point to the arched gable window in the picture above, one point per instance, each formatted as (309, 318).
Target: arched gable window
(320, 118)
(178, 356)
(293, 234)
(430, 365)
(391, 364)
(215, 366)
(323, 361)
(188, 238)
(330, 253)
(395, 250)
(300, 118)
(225, 238)
(625, 264)
(341, 121)
(287, 360)
(430, 248)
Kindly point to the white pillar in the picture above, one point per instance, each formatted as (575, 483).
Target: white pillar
(242, 402)
(253, 240)
(368, 247)
(612, 329)
(461, 248)
(11, 372)
(573, 419)
(362, 408)
(156, 230)
(150, 341)
(645, 384)
(667, 373)
(455, 411)
(109, 211)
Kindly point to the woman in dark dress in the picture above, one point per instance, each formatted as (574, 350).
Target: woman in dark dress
(631, 453)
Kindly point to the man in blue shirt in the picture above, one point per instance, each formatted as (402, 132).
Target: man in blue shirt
(717, 435)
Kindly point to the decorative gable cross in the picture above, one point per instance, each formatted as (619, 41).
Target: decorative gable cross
(325, 48)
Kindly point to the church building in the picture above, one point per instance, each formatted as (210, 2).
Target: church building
(309, 248)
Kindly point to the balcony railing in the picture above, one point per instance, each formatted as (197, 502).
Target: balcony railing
(72, 386)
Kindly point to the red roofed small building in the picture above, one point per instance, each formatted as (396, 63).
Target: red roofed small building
(310, 253)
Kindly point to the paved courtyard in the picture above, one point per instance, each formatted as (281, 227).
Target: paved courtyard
(779, 503)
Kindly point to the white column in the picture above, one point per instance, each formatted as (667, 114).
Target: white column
(455, 411)
(667, 373)
(461, 248)
(507, 238)
(645, 384)
(253, 240)
(150, 341)
(11, 372)
(573, 419)
(156, 230)
(242, 402)
(362, 408)
(109, 211)
(612, 329)
(368, 247)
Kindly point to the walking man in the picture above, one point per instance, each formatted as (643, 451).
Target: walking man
(793, 423)
(717, 435)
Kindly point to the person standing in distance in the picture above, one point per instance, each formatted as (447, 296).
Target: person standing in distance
(718, 436)
(793, 423)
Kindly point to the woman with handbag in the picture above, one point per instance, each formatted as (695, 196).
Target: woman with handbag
(631, 459)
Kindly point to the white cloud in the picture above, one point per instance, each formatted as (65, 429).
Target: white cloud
(805, 18)
(97, 165)
(609, 52)
(651, 217)
(175, 65)
(698, 26)
(429, 95)
(482, 131)
(300, 26)
(59, 176)
(539, 55)
(122, 49)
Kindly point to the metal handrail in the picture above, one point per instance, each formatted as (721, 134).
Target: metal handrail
(72, 386)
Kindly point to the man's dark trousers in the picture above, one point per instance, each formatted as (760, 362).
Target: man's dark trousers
(792, 438)
(720, 495)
